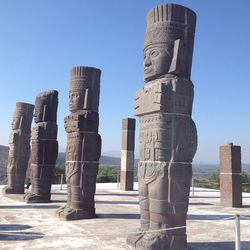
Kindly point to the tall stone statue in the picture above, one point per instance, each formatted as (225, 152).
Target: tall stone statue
(168, 137)
(44, 147)
(83, 145)
(19, 152)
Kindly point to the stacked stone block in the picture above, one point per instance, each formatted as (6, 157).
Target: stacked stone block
(230, 175)
(44, 147)
(19, 153)
(127, 154)
(168, 137)
(83, 144)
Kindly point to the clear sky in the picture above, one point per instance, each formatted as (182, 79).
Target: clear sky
(42, 40)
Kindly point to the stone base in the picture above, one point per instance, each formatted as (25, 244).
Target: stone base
(157, 241)
(68, 213)
(12, 190)
(127, 180)
(35, 198)
(132, 239)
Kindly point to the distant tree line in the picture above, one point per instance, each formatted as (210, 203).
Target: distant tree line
(105, 174)
(213, 181)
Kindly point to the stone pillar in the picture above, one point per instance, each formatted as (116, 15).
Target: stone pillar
(168, 137)
(44, 147)
(83, 145)
(19, 152)
(230, 176)
(127, 154)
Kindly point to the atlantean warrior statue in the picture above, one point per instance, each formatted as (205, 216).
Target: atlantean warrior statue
(168, 137)
(19, 152)
(44, 147)
(83, 145)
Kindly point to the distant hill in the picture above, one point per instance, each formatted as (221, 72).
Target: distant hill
(105, 160)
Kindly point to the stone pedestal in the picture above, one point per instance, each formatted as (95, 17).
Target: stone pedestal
(19, 153)
(168, 137)
(230, 175)
(83, 144)
(127, 154)
(44, 147)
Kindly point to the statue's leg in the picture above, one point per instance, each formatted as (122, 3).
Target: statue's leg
(11, 188)
(168, 199)
(88, 187)
(41, 184)
(68, 170)
(81, 183)
(73, 175)
(134, 238)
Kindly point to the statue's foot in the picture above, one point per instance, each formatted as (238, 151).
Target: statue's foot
(151, 241)
(76, 214)
(35, 198)
(162, 241)
(60, 210)
(133, 238)
(11, 190)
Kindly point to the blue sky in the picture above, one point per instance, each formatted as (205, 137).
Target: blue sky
(42, 40)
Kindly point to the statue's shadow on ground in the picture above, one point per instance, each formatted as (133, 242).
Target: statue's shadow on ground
(11, 232)
(217, 245)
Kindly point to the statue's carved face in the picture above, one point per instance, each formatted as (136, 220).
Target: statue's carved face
(38, 113)
(16, 122)
(40, 109)
(75, 101)
(157, 60)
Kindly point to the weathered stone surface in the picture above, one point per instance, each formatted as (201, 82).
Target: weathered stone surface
(168, 137)
(127, 154)
(230, 175)
(44, 147)
(19, 153)
(83, 144)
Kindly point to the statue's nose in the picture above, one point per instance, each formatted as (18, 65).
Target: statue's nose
(147, 61)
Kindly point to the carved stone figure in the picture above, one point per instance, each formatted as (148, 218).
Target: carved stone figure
(44, 147)
(19, 152)
(83, 145)
(168, 137)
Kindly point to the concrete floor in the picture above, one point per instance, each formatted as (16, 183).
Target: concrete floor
(36, 226)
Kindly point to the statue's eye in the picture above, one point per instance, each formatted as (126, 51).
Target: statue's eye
(155, 53)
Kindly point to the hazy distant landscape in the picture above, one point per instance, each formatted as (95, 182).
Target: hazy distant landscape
(199, 170)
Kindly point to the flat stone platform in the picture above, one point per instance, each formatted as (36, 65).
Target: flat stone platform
(36, 226)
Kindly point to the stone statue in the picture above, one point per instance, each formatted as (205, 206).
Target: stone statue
(83, 145)
(168, 137)
(44, 147)
(19, 152)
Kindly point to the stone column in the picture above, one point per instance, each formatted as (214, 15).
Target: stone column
(127, 154)
(168, 137)
(230, 176)
(83, 145)
(44, 147)
(19, 152)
